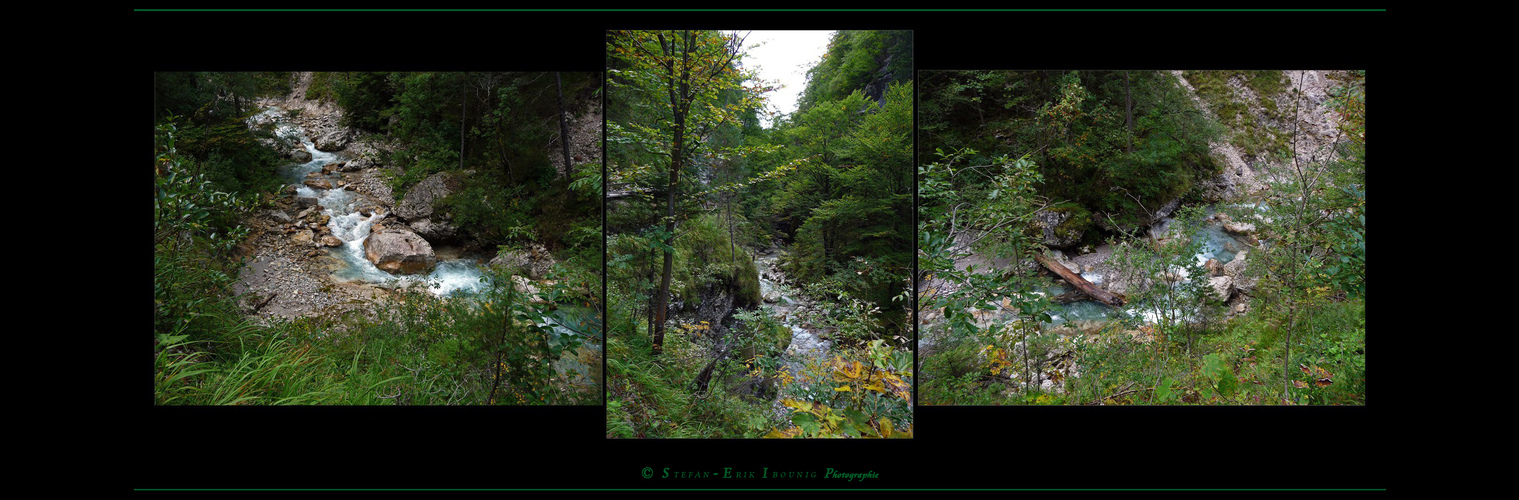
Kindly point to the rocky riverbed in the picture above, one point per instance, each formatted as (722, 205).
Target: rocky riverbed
(336, 239)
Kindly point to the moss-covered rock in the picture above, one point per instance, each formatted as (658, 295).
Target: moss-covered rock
(1064, 225)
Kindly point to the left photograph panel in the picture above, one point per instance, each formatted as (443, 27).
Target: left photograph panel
(377, 238)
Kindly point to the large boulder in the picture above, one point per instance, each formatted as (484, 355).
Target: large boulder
(533, 261)
(1063, 226)
(418, 202)
(435, 231)
(1221, 286)
(400, 251)
(1236, 266)
(1240, 228)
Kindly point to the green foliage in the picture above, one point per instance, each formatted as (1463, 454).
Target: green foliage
(954, 373)
(1220, 377)
(856, 61)
(498, 349)
(194, 225)
(651, 397)
(851, 207)
(864, 392)
(758, 328)
(366, 98)
(707, 256)
(1075, 126)
(209, 113)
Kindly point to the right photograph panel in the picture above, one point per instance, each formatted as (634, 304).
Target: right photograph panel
(1142, 237)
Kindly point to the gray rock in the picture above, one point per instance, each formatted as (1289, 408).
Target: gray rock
(400, 251)
(418, 202)
(435, 231)
(1239, 227)
(1165, 210)
(1057, 228)
(1245, 285)
(1236, 266)
(524, 286)
(280, 215)
(303, 237)
(535, 261)
(300, 155)
(1221, 286)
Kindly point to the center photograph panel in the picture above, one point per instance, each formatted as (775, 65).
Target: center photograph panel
(760, 234)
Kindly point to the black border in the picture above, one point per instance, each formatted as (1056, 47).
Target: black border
(955, 447)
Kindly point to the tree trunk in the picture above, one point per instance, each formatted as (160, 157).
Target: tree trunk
(1128, 111)
(564, 126)
(506, 161)
(1080, 283)
(677, 85)
(464, 105)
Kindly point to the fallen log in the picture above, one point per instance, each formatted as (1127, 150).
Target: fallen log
(1080, 283)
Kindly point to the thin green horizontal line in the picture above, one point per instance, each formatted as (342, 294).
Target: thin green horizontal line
(760, 10)
(760, 489)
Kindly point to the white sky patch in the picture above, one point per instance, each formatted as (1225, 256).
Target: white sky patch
(782, 58)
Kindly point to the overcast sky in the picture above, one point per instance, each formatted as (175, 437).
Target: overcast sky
(783, 58)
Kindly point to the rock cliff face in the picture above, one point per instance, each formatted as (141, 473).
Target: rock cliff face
(1310, 123)
(585, 138)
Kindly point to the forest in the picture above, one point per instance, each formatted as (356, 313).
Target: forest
(377, 238)
(1142, 237)
(759, 277)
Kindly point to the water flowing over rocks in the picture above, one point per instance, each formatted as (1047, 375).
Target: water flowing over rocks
(317, 262)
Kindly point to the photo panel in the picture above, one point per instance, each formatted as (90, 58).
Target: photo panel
(377, 238)
(1142, 237)
(759, 247)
